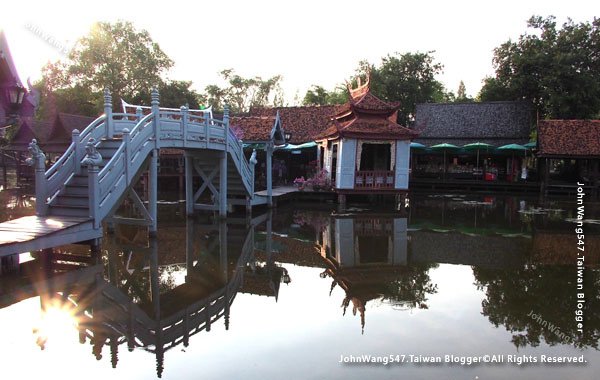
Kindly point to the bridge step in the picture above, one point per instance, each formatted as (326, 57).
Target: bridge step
(76, 190)
(106, 152)
(111, 143)
(79, 180)
(68, 210)
(72, 200)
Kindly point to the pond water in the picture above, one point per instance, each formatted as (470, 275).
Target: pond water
(307, 290)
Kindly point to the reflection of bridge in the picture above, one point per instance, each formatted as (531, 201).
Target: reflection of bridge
(89, 181)
(139, 304)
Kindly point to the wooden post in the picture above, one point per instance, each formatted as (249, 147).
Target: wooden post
(38, 162)
(319, 157)
(223, 260)
(253, 162)
(269, 242)
(92, 160)
(94, 194)
(4, 176)
(223, 171)
(77, 151)
(226, 124)
(223, 185)
(138, 114)
(207, 128)
(189, 248)
(127, 152)
(108, 113)
(184, 124)
(156, 118)
(269, 150)
(153, 191)
(189, 188)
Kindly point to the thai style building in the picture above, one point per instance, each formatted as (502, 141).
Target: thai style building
(363, 149)
(458, 141)
(568, 153)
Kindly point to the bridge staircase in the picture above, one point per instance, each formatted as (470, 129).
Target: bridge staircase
(88, 182)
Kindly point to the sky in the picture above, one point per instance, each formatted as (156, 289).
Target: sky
(307, 42)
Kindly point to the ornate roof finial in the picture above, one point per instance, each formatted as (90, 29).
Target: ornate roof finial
(361, 88)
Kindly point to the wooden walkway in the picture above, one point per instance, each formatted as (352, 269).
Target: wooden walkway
(39, 232)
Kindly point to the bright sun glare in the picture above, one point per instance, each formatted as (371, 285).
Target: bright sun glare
(56, 326)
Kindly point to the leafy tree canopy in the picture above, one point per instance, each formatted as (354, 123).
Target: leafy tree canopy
(116, 56)
(242, 93)
(406, 78)
(556, 69)
(318, 95)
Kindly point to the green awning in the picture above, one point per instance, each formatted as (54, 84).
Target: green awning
(306, 145)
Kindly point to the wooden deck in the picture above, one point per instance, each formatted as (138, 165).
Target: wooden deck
(39, 232)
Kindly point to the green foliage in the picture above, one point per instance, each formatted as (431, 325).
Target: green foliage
(173, 94)
(242, 93)
(406, 78)
(461, 93)
(318, 95)
(557, 70)
(548, 291)
(117, 56)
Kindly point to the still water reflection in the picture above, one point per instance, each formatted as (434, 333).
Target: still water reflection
(288, 294)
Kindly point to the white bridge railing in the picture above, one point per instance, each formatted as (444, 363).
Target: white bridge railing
(141, 134)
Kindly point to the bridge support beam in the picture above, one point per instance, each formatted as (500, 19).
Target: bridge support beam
(223, 186)
(189, 185)
(153, 192)
(269, 150)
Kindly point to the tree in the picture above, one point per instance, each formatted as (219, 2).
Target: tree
(173, 94)
(318, 95)
(556, 70)
(406, 78)
(461, 93)
(242, 93)
(117, 56)
(512, 296)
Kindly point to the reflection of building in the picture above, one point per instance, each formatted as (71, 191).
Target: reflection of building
(366, 256)
(352, 242)
(555, 248)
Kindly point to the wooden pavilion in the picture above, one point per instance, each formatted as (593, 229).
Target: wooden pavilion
(363, 149)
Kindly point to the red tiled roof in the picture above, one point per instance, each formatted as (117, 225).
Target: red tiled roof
(253, 128)
(304, 123)
(569, 138)
(364, 116)
(371, 104)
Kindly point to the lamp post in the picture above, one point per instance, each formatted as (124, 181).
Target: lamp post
(14, 98)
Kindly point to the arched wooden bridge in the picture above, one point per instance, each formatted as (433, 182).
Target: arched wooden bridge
(89, 181)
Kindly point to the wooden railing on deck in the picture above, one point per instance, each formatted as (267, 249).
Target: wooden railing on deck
(374, 179)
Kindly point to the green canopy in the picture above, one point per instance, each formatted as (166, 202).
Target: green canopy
(444, 146)
(530, 145)
(478, 146)
(306, 145)
(416, 145)
(514, 147)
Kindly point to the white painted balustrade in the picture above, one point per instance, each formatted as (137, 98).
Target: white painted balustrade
(139, 137)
